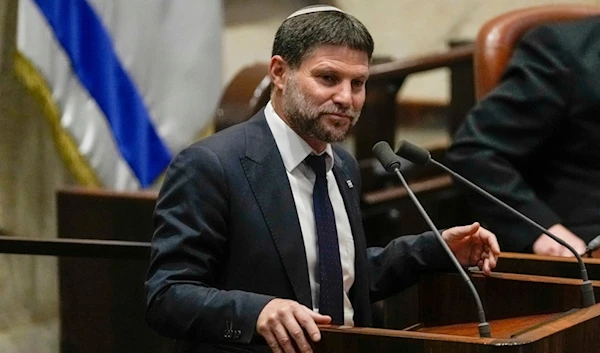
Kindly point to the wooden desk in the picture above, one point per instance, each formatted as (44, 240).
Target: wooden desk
(547, 265)
(526, 314)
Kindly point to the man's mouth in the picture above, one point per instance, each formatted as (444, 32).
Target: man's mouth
(340, 115)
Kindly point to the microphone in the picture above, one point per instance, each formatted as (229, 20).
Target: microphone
(592, 246)
(419, 155)
(390, 161)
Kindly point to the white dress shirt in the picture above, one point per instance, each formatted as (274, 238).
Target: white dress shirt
(294, 150)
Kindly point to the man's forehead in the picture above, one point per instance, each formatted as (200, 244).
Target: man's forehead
(324, 53)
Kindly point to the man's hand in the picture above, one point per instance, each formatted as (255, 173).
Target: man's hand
(473, 245)
(282, 323)
(544, 245)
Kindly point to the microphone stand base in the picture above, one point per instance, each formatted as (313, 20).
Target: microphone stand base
(484, 330)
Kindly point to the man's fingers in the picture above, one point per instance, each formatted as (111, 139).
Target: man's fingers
(284, 340)
(319, 318)
(310, 324)
(271, 341)
(281, 323)
(476, 252)
(293, 328)
(493, 260)
(489, 239)
(471, 228)
(490, 258)
(486, 267)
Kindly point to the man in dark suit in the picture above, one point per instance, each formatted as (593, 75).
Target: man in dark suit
(241, 261)
(534, 141)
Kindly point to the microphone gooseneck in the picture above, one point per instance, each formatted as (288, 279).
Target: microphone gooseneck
(416, 155)
(390, 161)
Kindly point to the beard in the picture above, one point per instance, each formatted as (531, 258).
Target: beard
(306, 118)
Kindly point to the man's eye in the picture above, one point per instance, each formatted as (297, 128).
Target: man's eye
(328, 78)
(358, 83)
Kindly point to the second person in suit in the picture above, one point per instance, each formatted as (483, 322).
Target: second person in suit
(534, 141)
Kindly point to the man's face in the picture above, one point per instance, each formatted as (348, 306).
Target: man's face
(322, 99)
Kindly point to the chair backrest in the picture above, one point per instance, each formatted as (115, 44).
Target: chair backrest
(245, 95)
(498, 37)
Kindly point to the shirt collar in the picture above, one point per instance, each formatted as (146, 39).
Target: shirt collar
(292, 147)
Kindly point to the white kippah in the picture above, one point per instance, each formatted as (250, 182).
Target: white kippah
(314, 8)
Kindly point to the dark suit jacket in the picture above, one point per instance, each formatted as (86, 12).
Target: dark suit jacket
(534, 142)
(228, 240)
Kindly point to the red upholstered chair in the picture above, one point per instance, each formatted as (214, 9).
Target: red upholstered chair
(498, 37)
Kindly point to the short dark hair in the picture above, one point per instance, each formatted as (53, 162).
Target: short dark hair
(299, 35)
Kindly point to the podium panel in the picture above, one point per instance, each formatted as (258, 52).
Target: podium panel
(102, 300)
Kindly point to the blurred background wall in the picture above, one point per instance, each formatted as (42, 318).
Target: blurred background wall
(31, 170)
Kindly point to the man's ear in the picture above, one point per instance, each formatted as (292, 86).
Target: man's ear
(278, 71)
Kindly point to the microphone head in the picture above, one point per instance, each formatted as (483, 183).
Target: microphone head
(386, 156)
(594, 244)
(413, 153)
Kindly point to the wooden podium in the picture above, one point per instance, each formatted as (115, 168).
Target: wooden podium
(526, 314)
(102, 301)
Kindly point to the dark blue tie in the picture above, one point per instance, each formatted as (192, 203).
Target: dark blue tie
(331, 299)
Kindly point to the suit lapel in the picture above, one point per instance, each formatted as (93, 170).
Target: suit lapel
(346, 186)
(267, 177)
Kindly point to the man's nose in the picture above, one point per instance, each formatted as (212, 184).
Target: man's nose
(343, 96)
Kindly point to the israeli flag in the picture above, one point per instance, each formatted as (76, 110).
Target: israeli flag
(124, 84)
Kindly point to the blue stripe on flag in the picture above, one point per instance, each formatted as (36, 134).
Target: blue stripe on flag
(89, 46)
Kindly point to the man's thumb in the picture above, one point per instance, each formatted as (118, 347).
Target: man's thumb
(462, 231)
